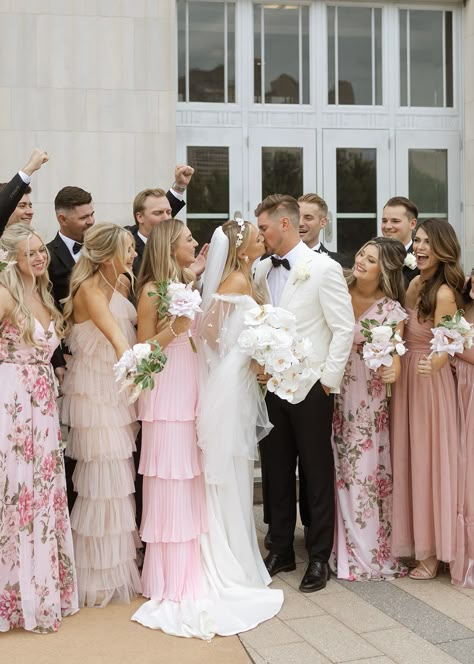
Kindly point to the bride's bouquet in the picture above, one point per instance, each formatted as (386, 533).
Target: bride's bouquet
(270, 339)
(137, 367)
(382, 343)
(452, 335)
(177, 299)
(4, 264)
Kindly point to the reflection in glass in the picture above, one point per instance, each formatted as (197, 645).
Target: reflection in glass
(355, 35)
(428, 181)
(279, 33)
(352, 234)
(206, 68)
(208, 191)
(282, 171)
(426, 58)
(356, 180)
(202, 229)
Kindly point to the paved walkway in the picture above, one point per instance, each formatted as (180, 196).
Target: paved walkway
(403, 621)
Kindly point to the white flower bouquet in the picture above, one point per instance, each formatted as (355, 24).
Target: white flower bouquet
(382, 343)
(137, 367)
(410, 261)
(4, 263)
(453, 335)
(177, 299)
(270, 339)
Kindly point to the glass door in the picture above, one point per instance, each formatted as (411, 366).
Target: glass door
(356, 185)
(281, 161)
(428, 173)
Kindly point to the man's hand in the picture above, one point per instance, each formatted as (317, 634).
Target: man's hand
(326, 389)
(37, 159)
(199, 264)
(182, 177)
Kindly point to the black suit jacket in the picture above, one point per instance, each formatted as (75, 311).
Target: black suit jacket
(176, 205)
(343, 260)
(10, 196)
(60, 268)
(408, 274)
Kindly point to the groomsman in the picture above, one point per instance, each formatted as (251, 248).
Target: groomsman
(313, 218)
(322, 306)
(399, 219)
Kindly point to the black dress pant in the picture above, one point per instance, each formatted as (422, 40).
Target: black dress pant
(300, 431)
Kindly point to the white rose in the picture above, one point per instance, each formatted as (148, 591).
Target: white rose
(246, 342)
(141, 351)
(301, 272)
(410, 261)
(463, 325)
(400, 349)
(381, 334)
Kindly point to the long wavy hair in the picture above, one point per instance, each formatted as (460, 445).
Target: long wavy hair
(234, 258)
(159, 262)
(21, 316)
(445, 248)
(392, 254)
(102, 242)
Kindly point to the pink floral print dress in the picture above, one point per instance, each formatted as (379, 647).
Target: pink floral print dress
(361, 447)
(37, 573)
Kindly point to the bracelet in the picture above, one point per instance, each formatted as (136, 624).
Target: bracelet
(179, 188)
(170, 325)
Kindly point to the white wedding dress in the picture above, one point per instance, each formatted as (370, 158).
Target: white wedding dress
(232, 418)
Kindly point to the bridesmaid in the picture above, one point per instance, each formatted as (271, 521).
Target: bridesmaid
(462, 569)
(361, 442)
(424, 415)
(37, 575)
(103, 424)
(174, 510)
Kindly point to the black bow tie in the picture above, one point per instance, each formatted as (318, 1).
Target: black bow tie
(76, 247)
(276, 262)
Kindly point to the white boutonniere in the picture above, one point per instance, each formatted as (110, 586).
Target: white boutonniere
(410, 261)
(302, 272)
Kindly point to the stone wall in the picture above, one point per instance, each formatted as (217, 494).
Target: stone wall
(469, 135)
(93, 83)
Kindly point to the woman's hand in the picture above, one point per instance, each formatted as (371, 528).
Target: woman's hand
(427, 366)
(390, 374)
(180, 324)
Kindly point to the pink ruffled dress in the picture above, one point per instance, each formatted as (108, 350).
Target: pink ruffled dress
(102, 439)
(174, 507)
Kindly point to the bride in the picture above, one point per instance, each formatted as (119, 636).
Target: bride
(232, 418)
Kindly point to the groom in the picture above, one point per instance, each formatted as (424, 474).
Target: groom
(312, 287)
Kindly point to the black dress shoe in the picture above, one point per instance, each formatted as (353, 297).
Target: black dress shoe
(267, 542)
(316, 576)
(275, 563)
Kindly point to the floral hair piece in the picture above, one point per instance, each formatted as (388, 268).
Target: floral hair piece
(240, 221)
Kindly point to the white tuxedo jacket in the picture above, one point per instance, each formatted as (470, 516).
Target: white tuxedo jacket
(316, 293)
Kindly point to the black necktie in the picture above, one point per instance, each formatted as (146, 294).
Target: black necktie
(276, 262)
(76, 247)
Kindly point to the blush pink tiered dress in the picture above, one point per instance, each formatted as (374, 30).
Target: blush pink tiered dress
(102, 439)
(37, 574)
(424, 435)
(462, 569)
(174, 509)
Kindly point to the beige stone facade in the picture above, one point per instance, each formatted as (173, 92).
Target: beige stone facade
(469, 134)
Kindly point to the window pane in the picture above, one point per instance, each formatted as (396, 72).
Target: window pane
(403, 58)
(281, 55)
(352, 234)
(331, 60)
(305, 53)
(356, 180)
(206, 51)
(231, 53)
(181, 50)
(282, 171)
(428, 181)
(449, 57)
(354, 55)
(257, 53)
(378, 55)
(426, 58)
(208, 191)
(202, 229)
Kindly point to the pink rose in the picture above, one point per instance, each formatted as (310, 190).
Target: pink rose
(59, 501)
(48, 468)
(28, 448)
(384, 487)
(337, 422)
(9, 606)
(382, 420)
(376, 386)
(41, 389)
(367, 444)
(25, 507)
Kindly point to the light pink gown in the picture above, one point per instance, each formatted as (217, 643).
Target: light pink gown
(462, 569)
(37, 574)
(102, 439)
(424, 434)
(361, 446)
(174, 508)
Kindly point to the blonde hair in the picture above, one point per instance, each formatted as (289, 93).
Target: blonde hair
(21, 316)
(102, 242)
(159, 263)
(235, 256)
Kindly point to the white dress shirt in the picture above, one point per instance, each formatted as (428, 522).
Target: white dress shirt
(278, 276)
(69, 244)
(142, 237)
(26, 178)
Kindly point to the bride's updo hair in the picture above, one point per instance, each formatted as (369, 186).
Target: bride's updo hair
(236, 255)
(159, 262)
(21, 316)
(102, 242)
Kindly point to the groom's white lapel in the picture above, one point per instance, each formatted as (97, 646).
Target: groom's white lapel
(295, 278)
